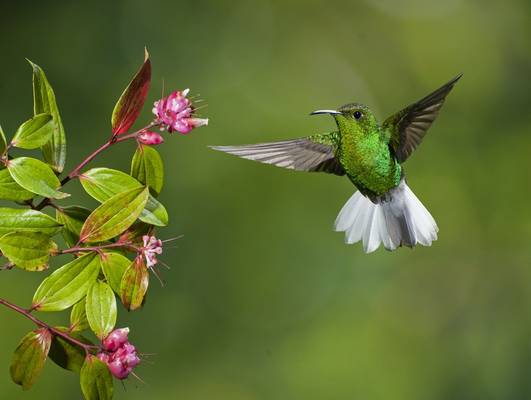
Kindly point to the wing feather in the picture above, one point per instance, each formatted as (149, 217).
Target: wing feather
(298, 154)
(409, 126)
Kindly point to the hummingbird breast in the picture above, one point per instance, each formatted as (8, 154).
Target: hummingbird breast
(369, 164)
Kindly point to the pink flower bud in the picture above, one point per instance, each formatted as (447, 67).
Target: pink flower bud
(118, 369)
(150, 138)
(119, 355)
(175, 113)
(116, 339)
(103, 357)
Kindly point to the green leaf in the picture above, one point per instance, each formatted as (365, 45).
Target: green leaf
(12, 219)
(78, 317)
(29, 357)
(134, 284)
(113, 265)
(148, 169)
(132, 100)
(102, 183)
(95, 379)
(101, 309)
(114, 216)
(66, 354)
(10, 190)
(28, 250)
(3, 141)
(35, 176)
(54, 151)
(68, 284)
(34, 133)
(72, 219)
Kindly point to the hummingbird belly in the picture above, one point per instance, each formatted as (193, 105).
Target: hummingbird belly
(374, 171)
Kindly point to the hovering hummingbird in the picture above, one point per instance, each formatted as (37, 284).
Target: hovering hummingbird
(384, 209)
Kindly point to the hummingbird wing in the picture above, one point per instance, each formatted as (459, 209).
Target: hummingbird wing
(314, 153)
(409, 126)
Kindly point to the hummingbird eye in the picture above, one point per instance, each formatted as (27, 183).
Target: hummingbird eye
(358, 114)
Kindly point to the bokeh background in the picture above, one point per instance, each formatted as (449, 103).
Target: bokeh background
(263, 300)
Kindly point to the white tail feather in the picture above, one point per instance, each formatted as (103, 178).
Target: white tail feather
(398, 219)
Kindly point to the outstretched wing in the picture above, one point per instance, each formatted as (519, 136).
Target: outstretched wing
(315, 153)
(409, 126)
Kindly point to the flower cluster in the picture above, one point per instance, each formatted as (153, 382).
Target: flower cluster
(119, 355)
(175, 113)
(152, 247)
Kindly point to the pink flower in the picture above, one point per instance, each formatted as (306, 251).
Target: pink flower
(175, 113)
(149, 138)
(119, 355)
(152, 247)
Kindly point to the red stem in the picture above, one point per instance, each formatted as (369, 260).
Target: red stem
(114, 139)
(79, 249)
(38, 322)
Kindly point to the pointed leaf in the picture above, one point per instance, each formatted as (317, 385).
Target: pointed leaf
(113, 265)
(72, 219)
(134, 284)
(66, 354)
(148, 169)
(67, 285)
(78, 317)
(102, 183)
(35, 176)
(10, 190)
(96, 379)
(54, 151)
(3, 141)
(13, 219)
(132, 100)
(114, 216)
(34, 133)
(101, 309)
(28, 250)
(29, 357)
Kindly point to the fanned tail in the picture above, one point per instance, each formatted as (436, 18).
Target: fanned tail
(397, 219)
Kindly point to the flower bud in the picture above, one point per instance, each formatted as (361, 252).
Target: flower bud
(116, 339)
(150, 138)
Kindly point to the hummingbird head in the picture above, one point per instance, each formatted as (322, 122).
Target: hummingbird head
(352, 118)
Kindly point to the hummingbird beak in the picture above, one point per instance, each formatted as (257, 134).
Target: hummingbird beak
(331, 112)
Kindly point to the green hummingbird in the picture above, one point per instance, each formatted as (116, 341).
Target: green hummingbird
(384, 209)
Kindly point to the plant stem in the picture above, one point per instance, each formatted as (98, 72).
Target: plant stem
(75, 172)
(38, 322)
(113, 140)
(78, 249)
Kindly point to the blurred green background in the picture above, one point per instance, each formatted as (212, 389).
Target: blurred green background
(264, 301)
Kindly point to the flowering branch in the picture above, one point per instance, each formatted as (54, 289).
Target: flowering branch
(126, 219)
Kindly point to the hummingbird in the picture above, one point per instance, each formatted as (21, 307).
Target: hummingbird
(384, 209)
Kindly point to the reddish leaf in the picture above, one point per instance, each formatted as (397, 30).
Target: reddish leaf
(134, 284)
(132, 100)
(29, 357)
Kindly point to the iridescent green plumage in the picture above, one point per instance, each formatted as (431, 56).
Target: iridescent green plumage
(371, 154)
